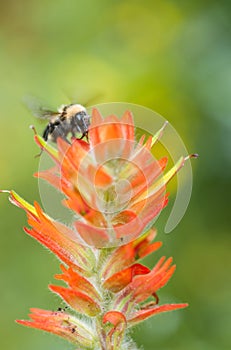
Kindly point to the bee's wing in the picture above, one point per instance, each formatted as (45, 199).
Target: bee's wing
(94, 99)
(36, 108)
(86, 102)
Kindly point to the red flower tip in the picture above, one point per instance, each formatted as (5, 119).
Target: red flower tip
(116, 330)
(114, 317)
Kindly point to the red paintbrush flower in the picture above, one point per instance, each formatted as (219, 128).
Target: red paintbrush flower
(116, 189)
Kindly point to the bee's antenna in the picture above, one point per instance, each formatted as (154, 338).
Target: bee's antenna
(35, 132)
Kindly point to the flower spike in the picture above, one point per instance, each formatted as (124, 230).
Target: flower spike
(116, 190)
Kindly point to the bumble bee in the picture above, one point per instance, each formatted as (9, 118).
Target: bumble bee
(69, 119)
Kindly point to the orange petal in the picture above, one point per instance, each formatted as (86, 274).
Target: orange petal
(127, 254)
(129, 230)
(144, 286)
(121, 258)
(61, 324)
(93, 235)
(102, 130)
(121, 279)
(128, 126)
(51, 177)
(145, 313)
(148, 209)
(114, 317)
(78, 282)
(99, 176)
(77, 300)
(60, 239)
(149, 249)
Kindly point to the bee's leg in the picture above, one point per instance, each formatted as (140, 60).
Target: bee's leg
(83, 135)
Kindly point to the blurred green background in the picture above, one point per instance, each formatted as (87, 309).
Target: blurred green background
(171, 56)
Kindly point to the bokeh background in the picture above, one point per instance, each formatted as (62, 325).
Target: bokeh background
(171, 56)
